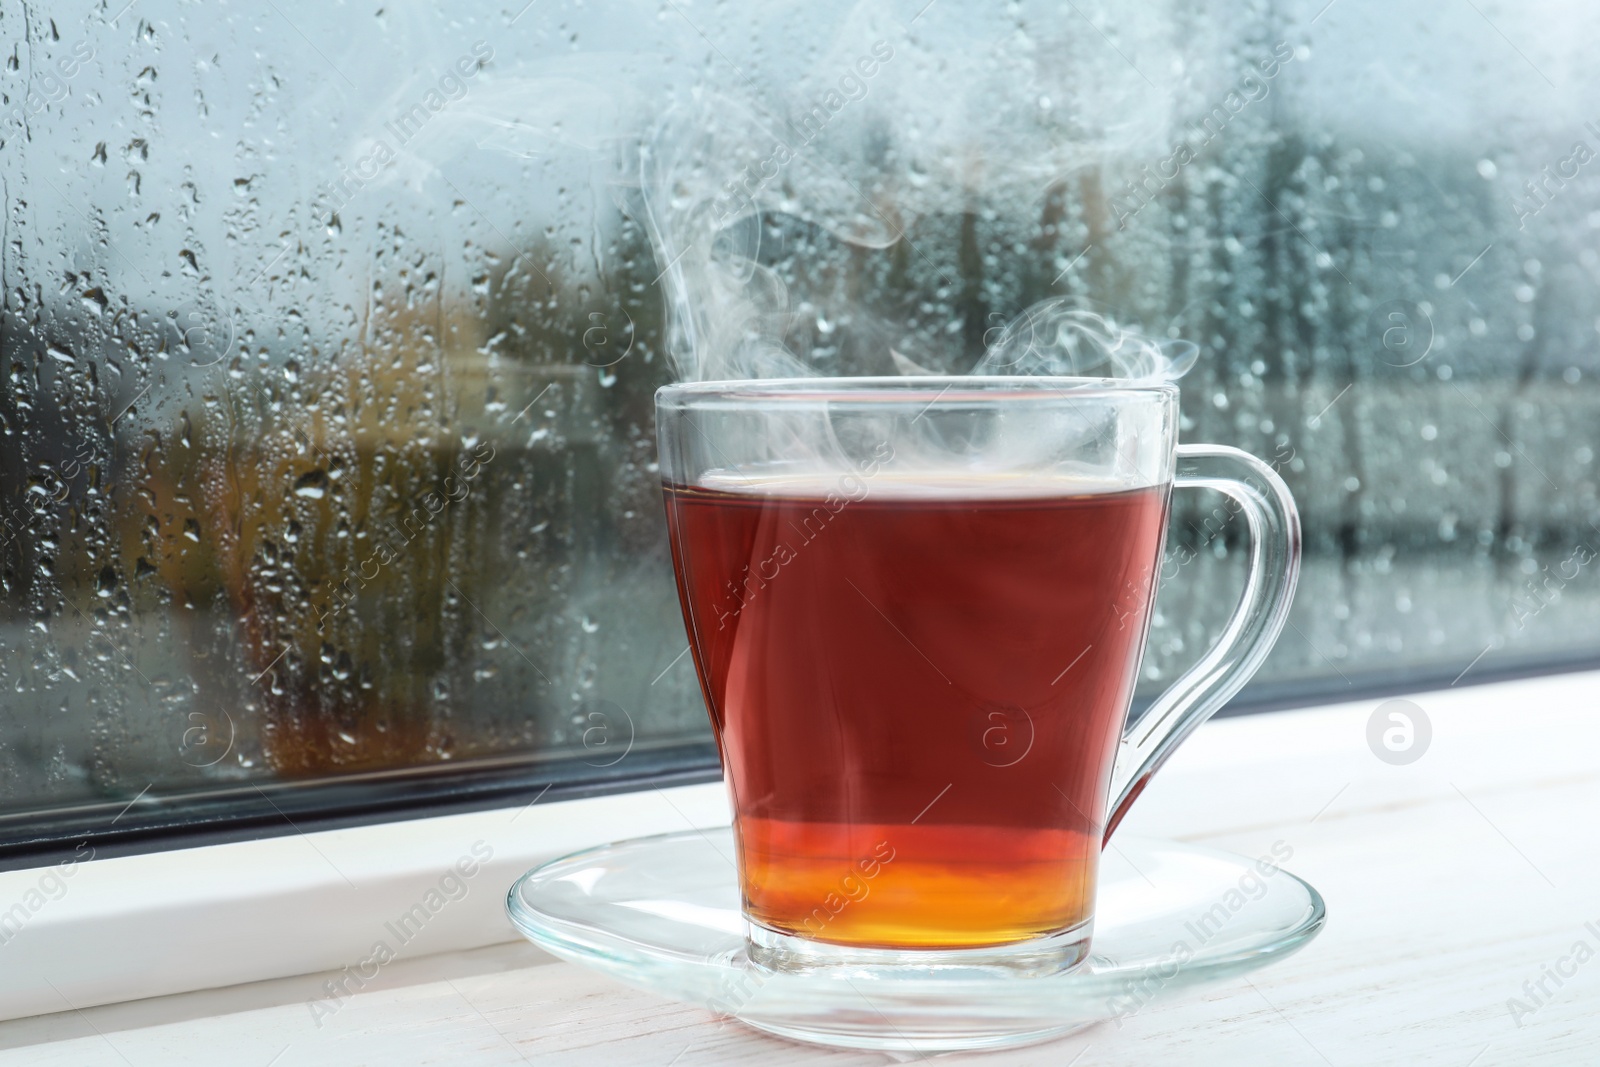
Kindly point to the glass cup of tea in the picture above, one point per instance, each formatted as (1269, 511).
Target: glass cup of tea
(917, 607)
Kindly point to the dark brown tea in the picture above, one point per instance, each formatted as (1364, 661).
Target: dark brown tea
(918, 697)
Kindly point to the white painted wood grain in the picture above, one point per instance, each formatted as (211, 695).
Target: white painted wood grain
(171, 922)
(1450, 882)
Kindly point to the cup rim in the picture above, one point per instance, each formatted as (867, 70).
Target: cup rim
(928, 388)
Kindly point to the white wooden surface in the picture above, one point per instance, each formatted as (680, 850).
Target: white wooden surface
(1451, 882)
(172, 922)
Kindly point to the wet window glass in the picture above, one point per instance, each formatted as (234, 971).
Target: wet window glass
(330, 335)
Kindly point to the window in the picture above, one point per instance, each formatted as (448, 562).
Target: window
(327, 485)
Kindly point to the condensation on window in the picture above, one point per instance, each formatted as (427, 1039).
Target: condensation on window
(330, 338)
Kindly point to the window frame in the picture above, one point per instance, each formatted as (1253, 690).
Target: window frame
(256, 811)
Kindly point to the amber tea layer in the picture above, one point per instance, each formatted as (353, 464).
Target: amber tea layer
(917, 691)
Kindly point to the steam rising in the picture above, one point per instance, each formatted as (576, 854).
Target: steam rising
(1052, 337)
(794, 171)
(772, 218)
(783, 208)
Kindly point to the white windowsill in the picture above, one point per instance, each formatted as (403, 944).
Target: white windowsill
(199, 918)
(1449, 881)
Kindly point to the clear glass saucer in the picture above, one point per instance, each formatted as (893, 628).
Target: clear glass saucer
(662, 914)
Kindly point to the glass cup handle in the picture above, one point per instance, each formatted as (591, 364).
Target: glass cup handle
(1264, 500)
